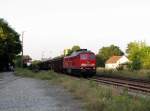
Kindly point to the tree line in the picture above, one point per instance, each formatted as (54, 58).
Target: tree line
(137, 52)
(10, 45)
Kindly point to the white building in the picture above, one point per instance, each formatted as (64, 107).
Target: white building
(115, 61)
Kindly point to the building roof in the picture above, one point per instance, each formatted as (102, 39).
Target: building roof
(27, 57)
(113, 59)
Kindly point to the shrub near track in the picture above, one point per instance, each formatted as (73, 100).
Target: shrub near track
(94, 97)
(139, 74)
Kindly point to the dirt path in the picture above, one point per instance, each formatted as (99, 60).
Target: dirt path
(24, 94)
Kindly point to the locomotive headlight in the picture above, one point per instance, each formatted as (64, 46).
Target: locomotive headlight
(83, 64)
(87, 65)
(92, 64)
(81, 67)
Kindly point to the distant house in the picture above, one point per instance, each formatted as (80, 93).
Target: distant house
(115, 61)
(27, 60)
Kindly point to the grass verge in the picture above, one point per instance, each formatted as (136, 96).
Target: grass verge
(94, 97)
(140, 74)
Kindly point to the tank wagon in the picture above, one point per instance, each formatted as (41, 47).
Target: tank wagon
(80, 62)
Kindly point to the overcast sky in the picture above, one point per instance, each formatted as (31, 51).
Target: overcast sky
(52, 25)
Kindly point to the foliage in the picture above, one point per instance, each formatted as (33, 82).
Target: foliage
(136, 64)
(139, 54)
(74, 48)
(69, 52)
(10, 45)
(145, 57)
(18, 60)
(35, 65)
(100, 61)
(36, 62)
(106, 52)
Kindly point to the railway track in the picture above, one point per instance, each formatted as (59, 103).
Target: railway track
(129, 84)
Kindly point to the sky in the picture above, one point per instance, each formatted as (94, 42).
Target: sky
(50, 26)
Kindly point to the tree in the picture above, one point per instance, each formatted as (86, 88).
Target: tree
(74, 48)
(10, 45)
(139, 54)
(18, 61)
(145, 57)
(106, 52)
(136, 61)
(100, 61)
(69, 52)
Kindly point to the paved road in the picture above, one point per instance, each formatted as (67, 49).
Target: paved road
(24, 94)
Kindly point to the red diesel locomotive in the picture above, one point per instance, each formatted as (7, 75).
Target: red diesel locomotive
(79, 62)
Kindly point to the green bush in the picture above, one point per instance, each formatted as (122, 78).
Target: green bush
(136, 65)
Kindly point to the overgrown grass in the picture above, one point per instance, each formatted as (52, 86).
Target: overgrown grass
(44, 75)
(140, 74)
(94, 97)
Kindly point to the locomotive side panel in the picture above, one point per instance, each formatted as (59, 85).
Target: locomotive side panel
(75, 62)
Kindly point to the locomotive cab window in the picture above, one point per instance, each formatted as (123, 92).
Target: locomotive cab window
(92, 56)
(83, 56)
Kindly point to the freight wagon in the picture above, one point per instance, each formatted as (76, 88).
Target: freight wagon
(80, 62)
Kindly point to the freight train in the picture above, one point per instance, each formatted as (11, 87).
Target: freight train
(79, 62)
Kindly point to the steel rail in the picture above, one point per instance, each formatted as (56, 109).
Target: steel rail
(124, 83)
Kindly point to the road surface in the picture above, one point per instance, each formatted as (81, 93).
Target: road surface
(25, 94)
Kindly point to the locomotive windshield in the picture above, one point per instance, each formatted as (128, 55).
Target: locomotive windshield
(87, 56)
(92, 56)
(83, 56)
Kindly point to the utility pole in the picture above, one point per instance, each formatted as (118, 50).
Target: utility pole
(42, 55)
(22, 50)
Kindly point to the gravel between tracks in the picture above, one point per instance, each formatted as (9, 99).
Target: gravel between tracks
(25, 94)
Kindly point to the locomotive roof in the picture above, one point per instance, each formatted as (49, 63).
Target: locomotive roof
(78, 52)
(75, 53)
